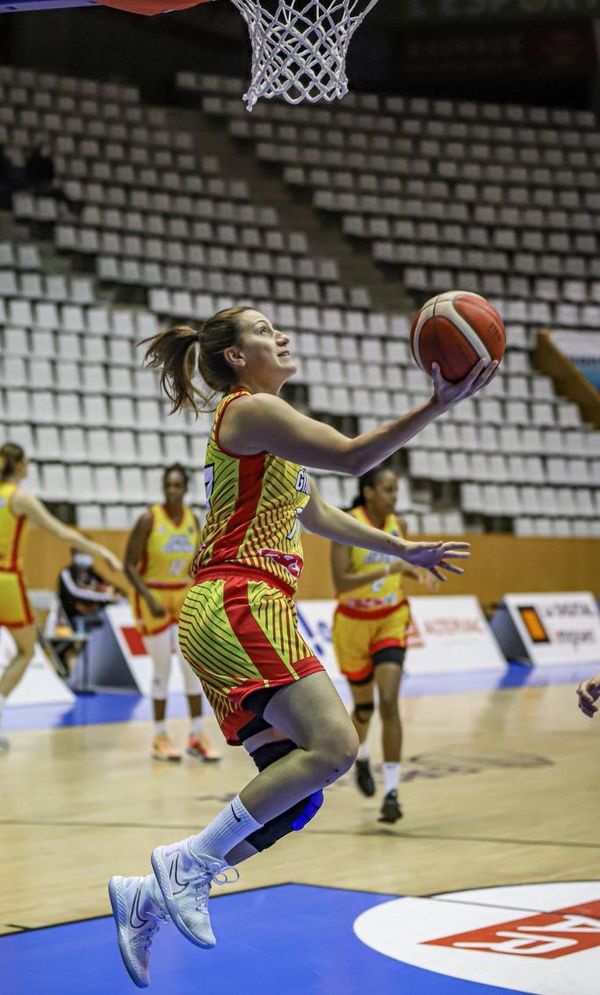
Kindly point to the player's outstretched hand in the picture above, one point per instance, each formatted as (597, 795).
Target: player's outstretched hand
(448, 394)
(434, 556)
(588, 693)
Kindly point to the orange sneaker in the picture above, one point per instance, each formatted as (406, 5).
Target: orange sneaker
(164, 749)
(201, 748)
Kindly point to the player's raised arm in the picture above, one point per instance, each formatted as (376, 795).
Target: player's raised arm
(264, 422)
(332, 523)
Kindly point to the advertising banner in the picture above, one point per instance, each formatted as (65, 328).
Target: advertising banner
(134, 654)
(41, 685)
(447, 634)
(450, 634)
(560, 628)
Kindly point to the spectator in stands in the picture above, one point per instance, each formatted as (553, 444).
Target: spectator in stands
(8, 178)
(370, 628)
(17, 509)
(82, 594)
(588, 693)
(83, 591)
(39, 168)
(158, 558)
(39, 175)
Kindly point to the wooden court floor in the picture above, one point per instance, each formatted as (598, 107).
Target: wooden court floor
(501, 787)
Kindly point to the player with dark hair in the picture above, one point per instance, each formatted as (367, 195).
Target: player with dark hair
(369, 630)
(159, 554)
(17, 510)
(238, 627)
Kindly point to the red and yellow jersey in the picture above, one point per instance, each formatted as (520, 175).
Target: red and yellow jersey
(254, 503)
(385, 594)
(12, 532)
(170, 549)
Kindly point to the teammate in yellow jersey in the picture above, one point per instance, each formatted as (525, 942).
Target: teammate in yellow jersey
(238, 627)
(369, 631)
(17, 510)
(158, 558)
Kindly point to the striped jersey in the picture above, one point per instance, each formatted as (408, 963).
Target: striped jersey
(13, 529)
(170, 549)
(383, 594)
(254, 503)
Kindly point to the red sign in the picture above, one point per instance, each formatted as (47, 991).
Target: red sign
(546, 935)
(134, 640)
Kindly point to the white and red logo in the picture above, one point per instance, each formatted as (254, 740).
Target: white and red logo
(289, 561)
(540, 939)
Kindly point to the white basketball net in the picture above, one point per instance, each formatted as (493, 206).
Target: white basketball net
(299, 47)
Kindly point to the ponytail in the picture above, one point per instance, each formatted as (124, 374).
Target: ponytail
(175, 353)
(11, 455)
(181, 353)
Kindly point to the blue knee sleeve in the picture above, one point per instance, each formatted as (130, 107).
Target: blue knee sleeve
(311, 807)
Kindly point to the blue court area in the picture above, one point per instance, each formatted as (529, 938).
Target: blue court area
(124, 707)
(272, 941)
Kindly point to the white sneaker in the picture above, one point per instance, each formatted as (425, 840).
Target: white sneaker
(136, 924)
(184, 880)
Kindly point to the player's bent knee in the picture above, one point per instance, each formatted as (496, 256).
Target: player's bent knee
(362, 713)
(339, 752)
(296, 817)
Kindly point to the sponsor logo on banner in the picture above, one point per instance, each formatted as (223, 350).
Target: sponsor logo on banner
(450, 634)
(557, 628)
(446, 634)
(541, 939)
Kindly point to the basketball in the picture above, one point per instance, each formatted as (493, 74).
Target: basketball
(456, 329)
(150, 7)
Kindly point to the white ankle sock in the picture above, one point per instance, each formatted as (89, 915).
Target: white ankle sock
(2, 703)
(197, 725)
(363, 751)
(391, 776)
(160, 728)
(230, 827)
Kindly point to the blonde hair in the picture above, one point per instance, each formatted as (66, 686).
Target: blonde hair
(11, 455)
(181, 352)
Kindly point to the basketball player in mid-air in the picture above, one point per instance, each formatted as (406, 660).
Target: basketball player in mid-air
(158, 558)
(18, 509)
(369, 631)
(238, 627)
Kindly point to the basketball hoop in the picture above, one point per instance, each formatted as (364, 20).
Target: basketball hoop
(299, 47)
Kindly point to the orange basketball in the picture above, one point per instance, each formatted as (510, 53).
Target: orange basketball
(456, 330)
(150, 7)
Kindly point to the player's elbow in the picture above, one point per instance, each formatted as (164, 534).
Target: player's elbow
(357, 463)
(350, 460)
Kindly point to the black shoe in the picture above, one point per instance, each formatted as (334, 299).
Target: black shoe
(390, 810)
(364, 778)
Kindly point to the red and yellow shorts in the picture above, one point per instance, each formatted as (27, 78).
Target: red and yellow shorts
(239, 632)
(171, 598)
(357, 638)
(15, 610)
